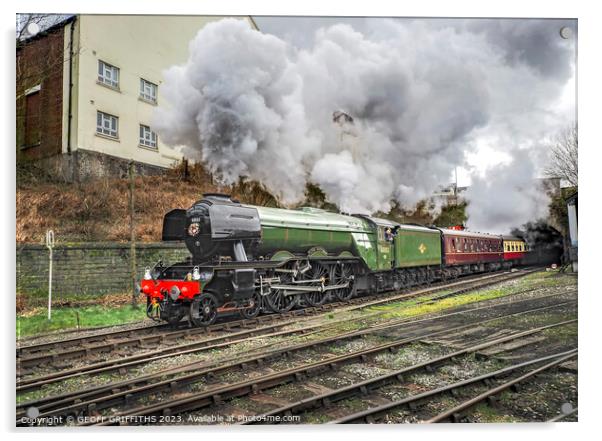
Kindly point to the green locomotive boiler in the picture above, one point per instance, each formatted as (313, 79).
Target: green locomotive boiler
(245, 258)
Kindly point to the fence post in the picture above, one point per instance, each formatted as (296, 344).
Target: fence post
(49, 245)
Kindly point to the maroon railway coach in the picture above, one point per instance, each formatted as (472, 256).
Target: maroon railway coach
(469, 252)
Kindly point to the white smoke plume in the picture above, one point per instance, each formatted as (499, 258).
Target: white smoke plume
(250, 104)
(504, 198)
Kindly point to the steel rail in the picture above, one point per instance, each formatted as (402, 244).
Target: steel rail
(123, 392)
(371, 414)
(455, 413)
(562, 416)
(140, 341)
(123, 363)
(36, 360)
(366, 386)
(254, 385)
(22, 350)
(25, 359)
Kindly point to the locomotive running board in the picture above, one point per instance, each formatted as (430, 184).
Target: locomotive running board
(309, 288)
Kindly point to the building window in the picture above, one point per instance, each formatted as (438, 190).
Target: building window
(148, 91)
(107, 124)
(108, 74)
(148, 138)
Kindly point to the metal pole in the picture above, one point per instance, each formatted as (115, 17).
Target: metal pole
(49, 245)
(132, 235)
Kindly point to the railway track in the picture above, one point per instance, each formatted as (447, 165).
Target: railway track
(121, 364)
(455, 414)
(122, 393)
(219, 395)
(59, 352)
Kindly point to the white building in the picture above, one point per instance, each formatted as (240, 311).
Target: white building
(115, 65)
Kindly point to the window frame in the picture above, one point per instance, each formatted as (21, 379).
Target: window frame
(153, 87)
(142, 140)
(102, 79)
(101, 130)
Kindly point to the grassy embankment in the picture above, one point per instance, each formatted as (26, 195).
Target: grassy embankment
(74, 312)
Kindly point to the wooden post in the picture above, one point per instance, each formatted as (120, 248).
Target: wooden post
(132, 236)
(49, 245)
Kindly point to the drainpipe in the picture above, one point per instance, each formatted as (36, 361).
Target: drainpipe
(71, 54)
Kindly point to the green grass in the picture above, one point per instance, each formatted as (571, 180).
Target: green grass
(89, 316)
(404, 310)
(416, 307)
(487, 414)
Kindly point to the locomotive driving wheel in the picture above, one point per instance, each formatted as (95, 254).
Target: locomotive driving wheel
(203, 310)
(254, 307)
(339, 274)
(278, 300)
(317, 272)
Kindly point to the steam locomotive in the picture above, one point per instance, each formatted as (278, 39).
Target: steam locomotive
(247, 259)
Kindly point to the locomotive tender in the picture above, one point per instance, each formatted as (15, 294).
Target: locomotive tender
(246, 258)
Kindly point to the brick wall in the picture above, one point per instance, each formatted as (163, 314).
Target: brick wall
(40, 62)
(88, 268)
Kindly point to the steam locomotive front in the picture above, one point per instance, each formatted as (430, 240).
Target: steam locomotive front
(215, 229)
(216, 226)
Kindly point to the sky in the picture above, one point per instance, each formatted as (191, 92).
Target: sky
(423, 98)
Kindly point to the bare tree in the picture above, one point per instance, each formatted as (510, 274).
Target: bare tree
(44, 66)
(44, 21)
(563, 156)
